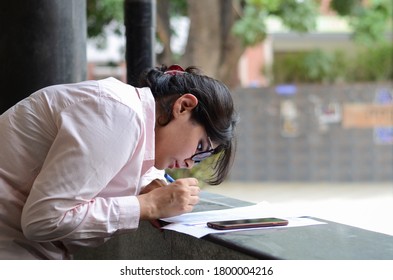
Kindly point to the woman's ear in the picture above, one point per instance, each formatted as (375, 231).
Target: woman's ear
(185, 103)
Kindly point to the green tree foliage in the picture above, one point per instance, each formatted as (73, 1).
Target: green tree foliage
(102, 14)
(345, 7)
(370, 21)
(297, 15)
(373, 63)
(251, 27)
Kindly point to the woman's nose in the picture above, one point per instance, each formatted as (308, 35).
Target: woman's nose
(189, 163)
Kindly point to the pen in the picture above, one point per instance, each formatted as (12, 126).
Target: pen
(169, 178)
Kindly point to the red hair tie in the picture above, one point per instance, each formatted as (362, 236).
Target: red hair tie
(174, 69)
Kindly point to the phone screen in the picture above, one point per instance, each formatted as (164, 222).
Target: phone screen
(247, 223)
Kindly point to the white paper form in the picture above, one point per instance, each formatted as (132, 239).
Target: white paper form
(195, 223)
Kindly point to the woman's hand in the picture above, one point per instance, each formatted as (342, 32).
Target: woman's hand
(174, 199)
(157, 183)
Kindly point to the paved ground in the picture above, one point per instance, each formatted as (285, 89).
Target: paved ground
(366, 205)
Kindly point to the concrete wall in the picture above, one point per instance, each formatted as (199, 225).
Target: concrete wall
(313, 150)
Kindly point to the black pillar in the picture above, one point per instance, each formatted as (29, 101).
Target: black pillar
(42, 42)
(139, 20)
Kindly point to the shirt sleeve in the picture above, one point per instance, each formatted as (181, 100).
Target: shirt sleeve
(152, 174)
(96, 138)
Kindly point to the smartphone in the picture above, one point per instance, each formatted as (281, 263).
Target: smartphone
(247, 223)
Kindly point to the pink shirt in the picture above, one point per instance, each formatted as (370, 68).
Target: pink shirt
(73, 158)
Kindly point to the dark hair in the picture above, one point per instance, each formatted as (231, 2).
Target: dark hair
(215, 110)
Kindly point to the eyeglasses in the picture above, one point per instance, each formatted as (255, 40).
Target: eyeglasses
(198, 157)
